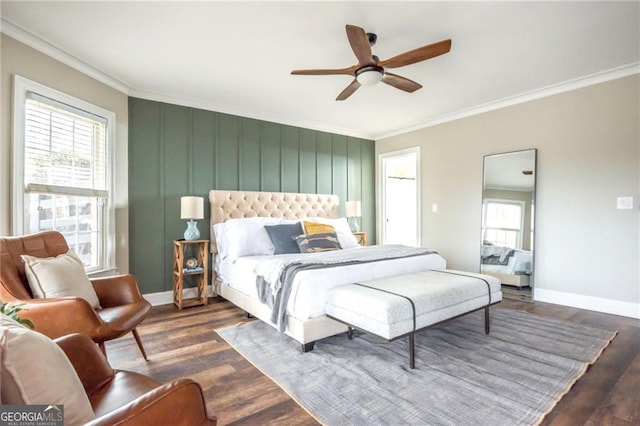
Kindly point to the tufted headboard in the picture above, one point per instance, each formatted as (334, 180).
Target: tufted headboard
(235, 204)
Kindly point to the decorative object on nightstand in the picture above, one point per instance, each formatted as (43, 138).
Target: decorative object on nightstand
(190, 259)
(191, 263)
(192, 208)
(354, 211)
(361, 236)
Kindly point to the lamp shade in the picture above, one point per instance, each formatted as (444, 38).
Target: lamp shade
(191, 208)
(354, 209)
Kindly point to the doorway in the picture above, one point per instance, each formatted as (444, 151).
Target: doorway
(400, 197)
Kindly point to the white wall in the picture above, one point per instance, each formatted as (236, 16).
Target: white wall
(17, 58)
(588, 141)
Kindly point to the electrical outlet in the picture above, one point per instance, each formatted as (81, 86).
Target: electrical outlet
(625, 203)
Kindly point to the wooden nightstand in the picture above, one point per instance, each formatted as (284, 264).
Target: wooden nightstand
(361, 236)
(196, 253)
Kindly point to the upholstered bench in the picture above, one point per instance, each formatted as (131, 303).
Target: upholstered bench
(400, 306)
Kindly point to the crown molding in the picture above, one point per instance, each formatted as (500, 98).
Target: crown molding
(210, 106)
(589, 80)
(66, 58)
(60, 55)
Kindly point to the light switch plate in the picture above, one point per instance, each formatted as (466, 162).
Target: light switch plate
(434, 208)
(625, 203)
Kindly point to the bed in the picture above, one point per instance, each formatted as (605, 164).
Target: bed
(238, 219)
(511, 266)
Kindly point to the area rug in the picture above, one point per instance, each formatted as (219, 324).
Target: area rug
(513, 376)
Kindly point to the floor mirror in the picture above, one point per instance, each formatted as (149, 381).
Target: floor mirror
(508, 211)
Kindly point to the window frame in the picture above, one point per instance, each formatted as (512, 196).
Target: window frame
(21, 86)
(521, 204)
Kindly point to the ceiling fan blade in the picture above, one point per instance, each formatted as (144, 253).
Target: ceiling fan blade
(360, 45)
(400, 82)
(349, 71)
(417, 55)
(349, 90)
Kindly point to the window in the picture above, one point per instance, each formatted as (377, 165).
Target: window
(62, 172)
(502, 222)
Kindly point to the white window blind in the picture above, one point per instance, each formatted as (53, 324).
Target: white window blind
(65, 149)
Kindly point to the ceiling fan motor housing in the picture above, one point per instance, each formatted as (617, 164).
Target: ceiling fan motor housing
(372, 38)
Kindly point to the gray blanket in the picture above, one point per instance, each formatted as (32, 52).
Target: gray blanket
(495, 255)
(497, 260)
(274, 288)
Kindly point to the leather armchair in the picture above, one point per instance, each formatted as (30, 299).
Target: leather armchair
(127, 398)
(122, 307)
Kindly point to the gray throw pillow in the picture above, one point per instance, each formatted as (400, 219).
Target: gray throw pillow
(283, 237)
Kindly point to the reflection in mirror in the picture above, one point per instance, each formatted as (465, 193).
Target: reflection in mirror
(508, 199)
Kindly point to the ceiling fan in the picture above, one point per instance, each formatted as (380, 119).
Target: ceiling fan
(370, 69)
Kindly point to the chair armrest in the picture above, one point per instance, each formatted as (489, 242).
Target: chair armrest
(90, 364)
(59, 316)
(178, 403)
(117, 290)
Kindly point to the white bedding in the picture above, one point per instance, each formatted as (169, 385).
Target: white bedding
(519, 263)
(309, 288)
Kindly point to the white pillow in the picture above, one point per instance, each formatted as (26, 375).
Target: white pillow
(36, 371)
(218, 234)
(345, 236)
(245, 237)
(59, 276)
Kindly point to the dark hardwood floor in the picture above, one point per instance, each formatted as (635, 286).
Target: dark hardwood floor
(185, 344)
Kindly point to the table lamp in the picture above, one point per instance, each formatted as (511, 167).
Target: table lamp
(191, 208)
(354, 211)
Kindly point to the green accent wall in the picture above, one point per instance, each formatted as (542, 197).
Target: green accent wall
(176, 151)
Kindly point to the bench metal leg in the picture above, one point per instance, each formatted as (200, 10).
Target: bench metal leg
(487, 320)
(412, 351)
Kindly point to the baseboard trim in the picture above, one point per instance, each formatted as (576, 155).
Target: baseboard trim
(166, 297)
(608, 306)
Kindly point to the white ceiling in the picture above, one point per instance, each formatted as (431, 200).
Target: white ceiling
(504, 171)
(236, 57)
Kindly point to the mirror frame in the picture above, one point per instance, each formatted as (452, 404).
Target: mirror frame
(514, 292)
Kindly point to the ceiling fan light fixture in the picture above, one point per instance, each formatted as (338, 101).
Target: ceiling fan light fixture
(369, 75)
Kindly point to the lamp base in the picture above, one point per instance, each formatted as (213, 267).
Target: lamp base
(192, 232)
(353, 224)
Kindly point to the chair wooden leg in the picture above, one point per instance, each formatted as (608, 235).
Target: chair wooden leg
(139, 342)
